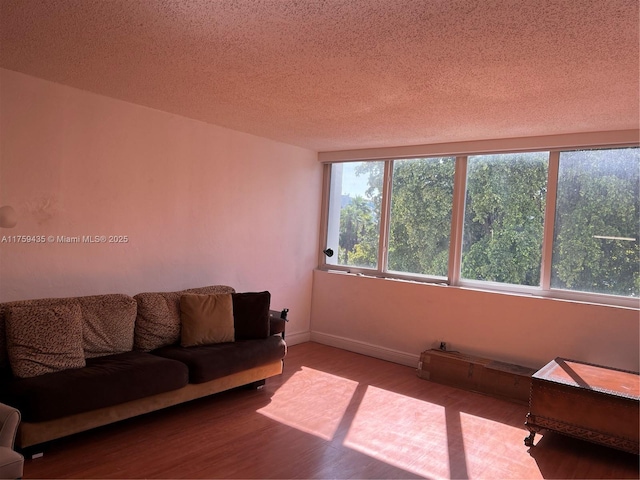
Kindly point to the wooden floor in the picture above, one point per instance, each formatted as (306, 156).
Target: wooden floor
(332, 414)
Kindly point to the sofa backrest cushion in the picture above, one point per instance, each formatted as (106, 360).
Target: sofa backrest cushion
(4, 358)
(251, 315)
(4, 312)
(44, 339)
(107, 322)
(158, 318)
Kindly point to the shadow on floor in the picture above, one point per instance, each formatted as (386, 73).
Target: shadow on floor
(559, 456)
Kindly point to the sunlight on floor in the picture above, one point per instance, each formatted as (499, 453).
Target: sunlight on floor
(423, 438)
(433, 441)
(315, 402)
(401, 431)
(521, 465)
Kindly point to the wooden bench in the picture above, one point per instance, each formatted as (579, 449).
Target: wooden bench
(587, 401)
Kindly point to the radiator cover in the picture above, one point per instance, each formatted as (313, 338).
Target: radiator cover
(498, 379)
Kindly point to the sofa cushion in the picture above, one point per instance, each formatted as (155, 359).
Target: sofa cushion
(107, 324)
(4, 312)
(251, 314)
(44, 339)
(158, 318)
(104, 382)
(206, 319)
(4, 358)
(208, 362)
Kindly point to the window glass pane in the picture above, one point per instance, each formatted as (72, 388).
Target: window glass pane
(504, 218)
(354, 213)
(420, 223)
(596, 233)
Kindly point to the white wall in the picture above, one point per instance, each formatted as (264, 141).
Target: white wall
(397, 320)
(204, 205)
(200, 204)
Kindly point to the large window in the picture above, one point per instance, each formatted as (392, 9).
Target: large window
(547, 222)
(420, 220)
(504, 218)
(354, 214)
(596, 242)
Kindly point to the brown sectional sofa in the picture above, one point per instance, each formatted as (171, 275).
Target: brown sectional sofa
(132, 362)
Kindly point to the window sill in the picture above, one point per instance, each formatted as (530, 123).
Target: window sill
(630, 303)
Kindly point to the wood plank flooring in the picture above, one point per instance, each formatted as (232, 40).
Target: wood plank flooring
(332, 414)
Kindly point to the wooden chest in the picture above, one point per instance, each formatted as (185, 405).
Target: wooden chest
(498, 379)
(586, 401)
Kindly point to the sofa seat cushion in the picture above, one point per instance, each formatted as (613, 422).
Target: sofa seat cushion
(104, 382)
(208, 362)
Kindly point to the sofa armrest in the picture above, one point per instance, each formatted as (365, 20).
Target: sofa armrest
(9, 421)
(277, 322)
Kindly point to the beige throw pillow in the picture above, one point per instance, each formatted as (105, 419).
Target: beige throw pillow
(44, 339)
(158, 316)
(206, 319)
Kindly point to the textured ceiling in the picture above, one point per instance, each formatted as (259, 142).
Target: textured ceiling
(345, 74)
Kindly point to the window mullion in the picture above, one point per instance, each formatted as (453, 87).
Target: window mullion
(549, 220)
(457, 220)
(385, 215)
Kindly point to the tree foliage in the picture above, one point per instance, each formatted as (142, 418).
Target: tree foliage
(420, 225)
(596, 246)
(358, 234)
(504, 218)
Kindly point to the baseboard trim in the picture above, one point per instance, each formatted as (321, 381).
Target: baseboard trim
(376, 351)
(296, 338)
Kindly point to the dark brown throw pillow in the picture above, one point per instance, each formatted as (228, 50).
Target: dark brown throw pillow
(251, 314)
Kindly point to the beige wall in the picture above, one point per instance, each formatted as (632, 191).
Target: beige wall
(397, 320)
(200, 204)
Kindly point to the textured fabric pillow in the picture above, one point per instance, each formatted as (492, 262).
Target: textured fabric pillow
(206, 319)
(251, 314)
(4, 313)
(44, 339)
(158, 318)
(4, 359)
(107, 324)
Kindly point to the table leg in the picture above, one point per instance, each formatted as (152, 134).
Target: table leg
(533, 429)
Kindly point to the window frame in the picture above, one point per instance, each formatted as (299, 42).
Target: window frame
(461, 152)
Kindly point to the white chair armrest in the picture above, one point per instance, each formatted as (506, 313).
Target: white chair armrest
(9, 421)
